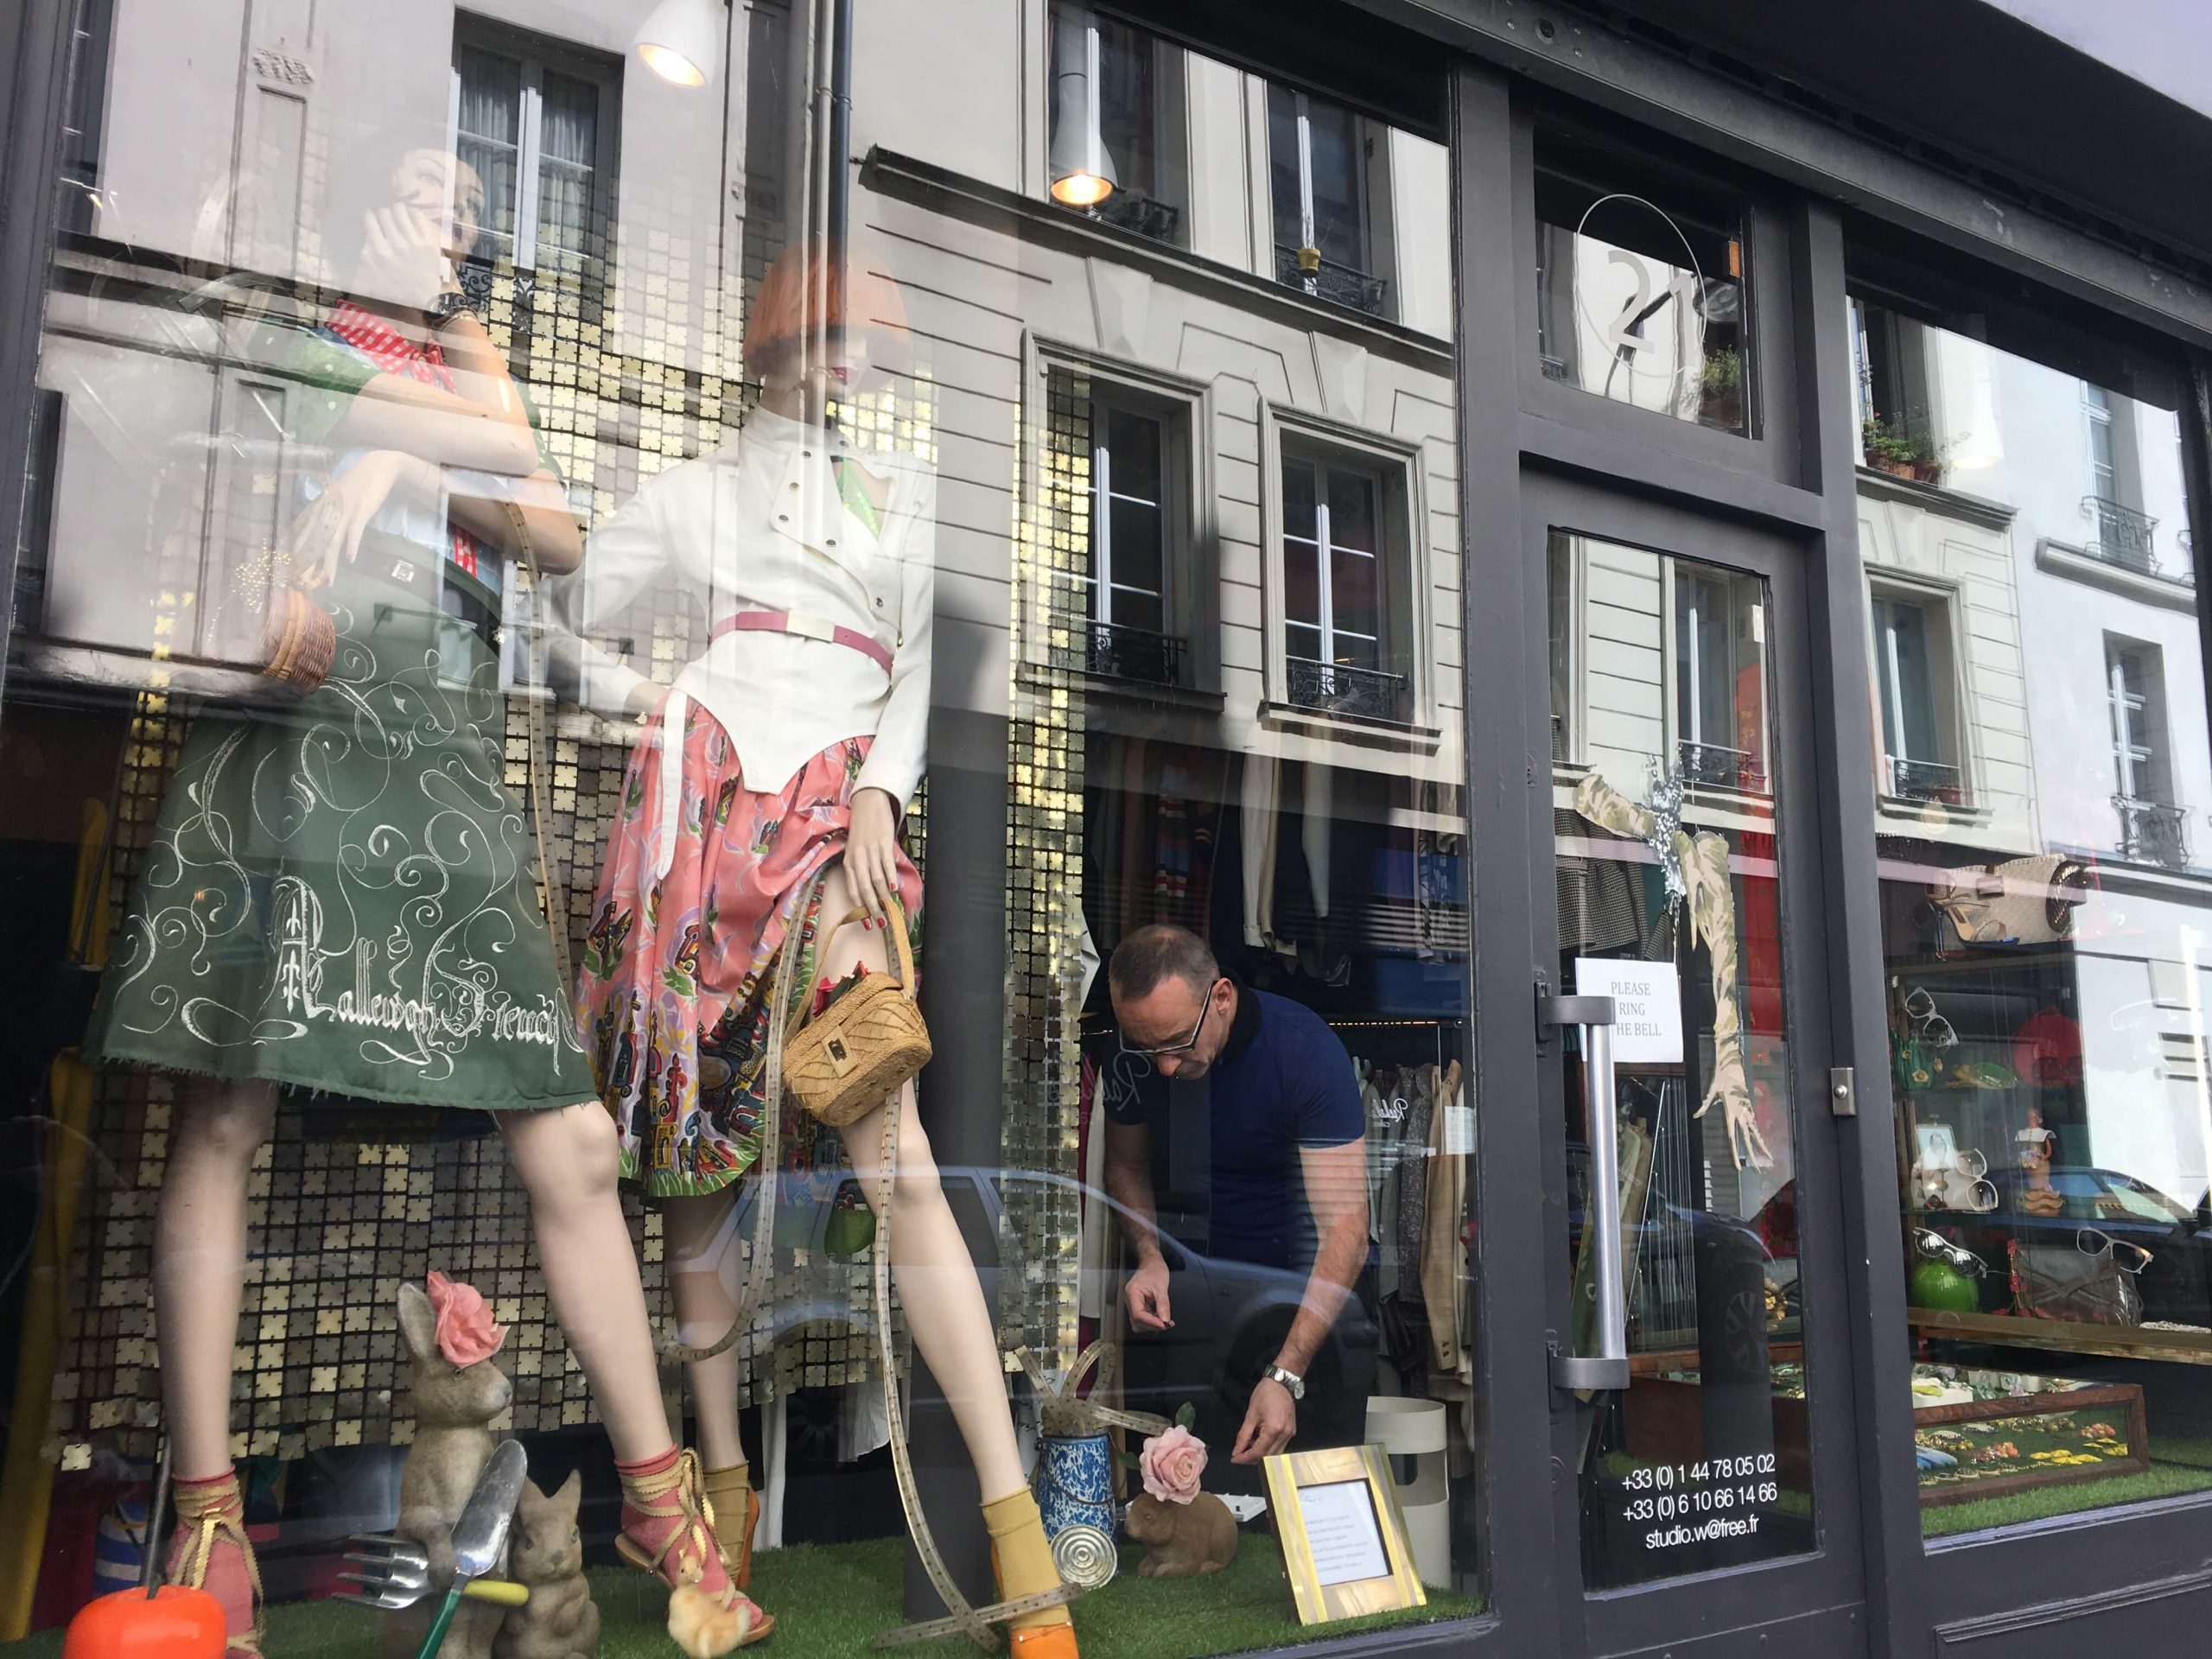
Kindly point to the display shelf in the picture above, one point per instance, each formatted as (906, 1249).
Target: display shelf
(2069, 1336)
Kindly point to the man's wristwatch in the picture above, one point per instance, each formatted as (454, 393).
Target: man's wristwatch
(1290, 1380)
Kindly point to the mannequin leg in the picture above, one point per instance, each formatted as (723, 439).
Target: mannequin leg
(567, 1159)
(706, 1268)
(952, 1325)
(199, 1263)
(199, 1279)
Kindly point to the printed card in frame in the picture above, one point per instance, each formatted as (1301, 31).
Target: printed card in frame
(1343, 1540)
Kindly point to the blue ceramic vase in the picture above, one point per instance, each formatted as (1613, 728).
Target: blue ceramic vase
(1075, 1483)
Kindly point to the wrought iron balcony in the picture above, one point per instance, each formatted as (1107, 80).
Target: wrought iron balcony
(1926, 780)
(1125, 210)
(1126, 653)
(2124, 536)
(2152, 832)
(1714, 767)
(1335, 688)
(1339, 284)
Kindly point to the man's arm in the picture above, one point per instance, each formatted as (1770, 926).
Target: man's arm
(1336, 1191)
(1128, 1183)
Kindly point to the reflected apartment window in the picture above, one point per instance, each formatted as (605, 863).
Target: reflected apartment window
(1897, 425)
(2152, 828)
(1116, 151)
(1131, 536)
(1720, 680)
(1319, 156)
(1912, 666)
(537, 120)
(1335, 626)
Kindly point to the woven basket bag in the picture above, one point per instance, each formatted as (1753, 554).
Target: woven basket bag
(853, 1055)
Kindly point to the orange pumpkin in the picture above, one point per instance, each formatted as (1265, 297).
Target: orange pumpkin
(173, 1624)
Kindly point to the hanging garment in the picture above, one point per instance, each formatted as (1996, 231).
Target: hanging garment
(1257, 805)
(1419, 1087)
(1443, 1257)
(1318, 810)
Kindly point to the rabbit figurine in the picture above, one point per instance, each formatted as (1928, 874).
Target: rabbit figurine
(455, 1404)
(560, 1620)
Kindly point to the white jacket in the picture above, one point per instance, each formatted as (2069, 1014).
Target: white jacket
(759, 525)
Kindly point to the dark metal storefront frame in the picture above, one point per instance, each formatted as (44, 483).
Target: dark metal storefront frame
(2136, 1575)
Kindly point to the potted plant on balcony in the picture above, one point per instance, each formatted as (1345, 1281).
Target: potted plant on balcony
(1900, 454)
(1720, 390)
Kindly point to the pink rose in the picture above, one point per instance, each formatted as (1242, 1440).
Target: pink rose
(466, 1330)
(1171, 1465)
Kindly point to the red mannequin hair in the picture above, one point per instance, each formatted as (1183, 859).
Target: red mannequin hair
(849, 294)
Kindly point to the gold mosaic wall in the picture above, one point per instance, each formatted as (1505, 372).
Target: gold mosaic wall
(1043, 917)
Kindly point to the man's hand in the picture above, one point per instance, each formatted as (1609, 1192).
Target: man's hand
(1269, 1423)
(872, 850)
(1148, 1295)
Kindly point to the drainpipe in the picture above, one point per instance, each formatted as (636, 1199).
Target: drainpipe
(839, 137)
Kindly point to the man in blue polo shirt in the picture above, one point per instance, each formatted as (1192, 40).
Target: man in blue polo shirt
(1271, 1093)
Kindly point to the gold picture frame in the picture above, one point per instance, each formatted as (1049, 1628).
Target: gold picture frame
(1343, 1540)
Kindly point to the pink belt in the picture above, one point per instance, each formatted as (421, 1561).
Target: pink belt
(805, 628)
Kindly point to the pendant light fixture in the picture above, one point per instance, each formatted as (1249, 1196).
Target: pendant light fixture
(1083, 173)
(678, 41)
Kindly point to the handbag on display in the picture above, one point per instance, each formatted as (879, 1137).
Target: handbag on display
(2021, 901)
(853, 1055)
(2064, 1282)
(299, 636)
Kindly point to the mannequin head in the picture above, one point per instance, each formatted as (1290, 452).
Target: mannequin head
(445, 189)
(823, 326)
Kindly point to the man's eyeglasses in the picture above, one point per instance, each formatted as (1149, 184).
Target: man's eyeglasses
(1171, 1050)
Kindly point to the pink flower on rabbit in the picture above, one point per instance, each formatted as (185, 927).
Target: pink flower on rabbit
(466, 1332)
(1170, 1465)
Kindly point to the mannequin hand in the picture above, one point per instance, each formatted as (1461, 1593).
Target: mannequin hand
(1147, 1296)
(1269, 1422)
(403, 258)
(331, 526)
(872, 850)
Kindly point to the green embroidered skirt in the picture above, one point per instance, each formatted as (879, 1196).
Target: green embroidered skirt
(338, 894)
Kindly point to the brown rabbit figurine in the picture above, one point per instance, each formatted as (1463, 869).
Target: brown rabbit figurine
(559, 1621)
(1183, 1540)
(458, 1391)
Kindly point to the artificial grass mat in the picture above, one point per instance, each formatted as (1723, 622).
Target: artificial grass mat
(2177, 1465)
(832, 1600)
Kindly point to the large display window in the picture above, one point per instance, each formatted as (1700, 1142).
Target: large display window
(583, 559)
(2039, 705)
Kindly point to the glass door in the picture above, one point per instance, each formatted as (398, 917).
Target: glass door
(1699, 1383)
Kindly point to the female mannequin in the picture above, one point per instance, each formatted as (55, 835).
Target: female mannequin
(360, 833)
(785, 752)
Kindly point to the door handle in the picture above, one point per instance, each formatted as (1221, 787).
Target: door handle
(1608, 1368)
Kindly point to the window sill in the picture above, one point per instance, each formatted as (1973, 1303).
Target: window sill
(1152, 692)
(2087, 568)
(1936, 497)
(1904, 809)
(1382, 734)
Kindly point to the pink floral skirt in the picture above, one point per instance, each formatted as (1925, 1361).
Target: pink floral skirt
(672, 998)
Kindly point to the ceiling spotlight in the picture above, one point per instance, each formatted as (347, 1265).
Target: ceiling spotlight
(678, 41)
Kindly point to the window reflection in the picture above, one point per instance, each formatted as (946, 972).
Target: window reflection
(2041, 712)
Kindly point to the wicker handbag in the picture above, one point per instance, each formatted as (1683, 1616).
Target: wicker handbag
(853, 1055)
(299, 636)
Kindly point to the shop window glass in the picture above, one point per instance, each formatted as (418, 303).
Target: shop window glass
(2045, 928)
(484, 574)
(1640, 293)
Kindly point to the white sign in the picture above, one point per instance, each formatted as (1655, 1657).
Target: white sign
(1647, 1007)
(1343, 1532)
